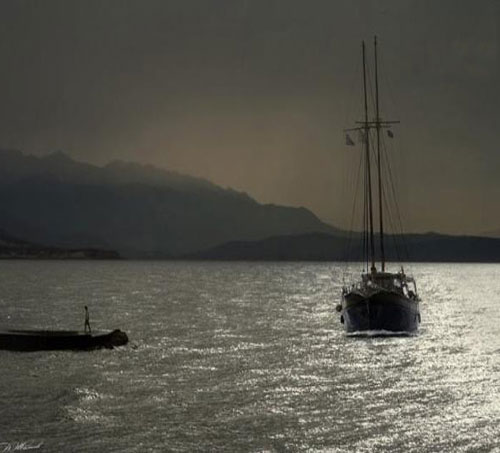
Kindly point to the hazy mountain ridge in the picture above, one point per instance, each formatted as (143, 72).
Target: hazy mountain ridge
(16, 166)
(492, 234)
(12, 247)
(139, 210)
(430, 247)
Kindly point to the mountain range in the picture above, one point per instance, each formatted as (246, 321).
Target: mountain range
(135, 210)
(492, 234)
(430, 247)
(12, 247)
(138, 210)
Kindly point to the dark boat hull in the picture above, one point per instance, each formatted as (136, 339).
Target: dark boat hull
(47, 340)
(382, 311)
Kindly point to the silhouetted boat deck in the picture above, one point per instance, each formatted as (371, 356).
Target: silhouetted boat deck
(50, 340)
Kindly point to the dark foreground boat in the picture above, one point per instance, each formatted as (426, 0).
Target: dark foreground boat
(49, 340)
(382, 302)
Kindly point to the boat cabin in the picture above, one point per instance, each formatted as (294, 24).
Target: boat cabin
(398, 282)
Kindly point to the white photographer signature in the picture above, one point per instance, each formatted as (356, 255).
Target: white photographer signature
(19, 446)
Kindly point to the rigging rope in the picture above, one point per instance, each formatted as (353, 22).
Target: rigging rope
(347, 255)
(396, 204)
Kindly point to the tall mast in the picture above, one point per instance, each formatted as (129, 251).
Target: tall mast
(380, 195)
(366, 127)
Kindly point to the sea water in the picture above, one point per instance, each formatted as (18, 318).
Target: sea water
(247, 357)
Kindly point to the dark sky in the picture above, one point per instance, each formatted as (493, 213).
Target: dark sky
(255, 94)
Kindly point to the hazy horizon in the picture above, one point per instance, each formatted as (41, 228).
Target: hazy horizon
(255, 95)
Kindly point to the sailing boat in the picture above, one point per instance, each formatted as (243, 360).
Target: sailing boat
(382, 301)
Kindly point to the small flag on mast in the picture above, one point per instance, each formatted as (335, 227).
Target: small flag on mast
(390, 134)
(348, 140)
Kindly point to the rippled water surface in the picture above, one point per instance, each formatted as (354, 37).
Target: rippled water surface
(247, 357)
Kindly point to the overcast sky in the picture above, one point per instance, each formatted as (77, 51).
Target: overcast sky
(255, 94)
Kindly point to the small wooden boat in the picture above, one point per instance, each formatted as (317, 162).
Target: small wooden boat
(50, 340)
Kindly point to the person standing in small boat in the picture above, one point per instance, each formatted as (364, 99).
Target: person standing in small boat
(86, 327)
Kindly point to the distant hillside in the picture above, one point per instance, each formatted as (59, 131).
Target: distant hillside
(138, 210)
(15, 248)
(492, 234)
(327, 247)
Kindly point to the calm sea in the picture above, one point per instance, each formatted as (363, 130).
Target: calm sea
(247, 357)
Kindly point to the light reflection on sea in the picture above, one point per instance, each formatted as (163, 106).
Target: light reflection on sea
(248, 357)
